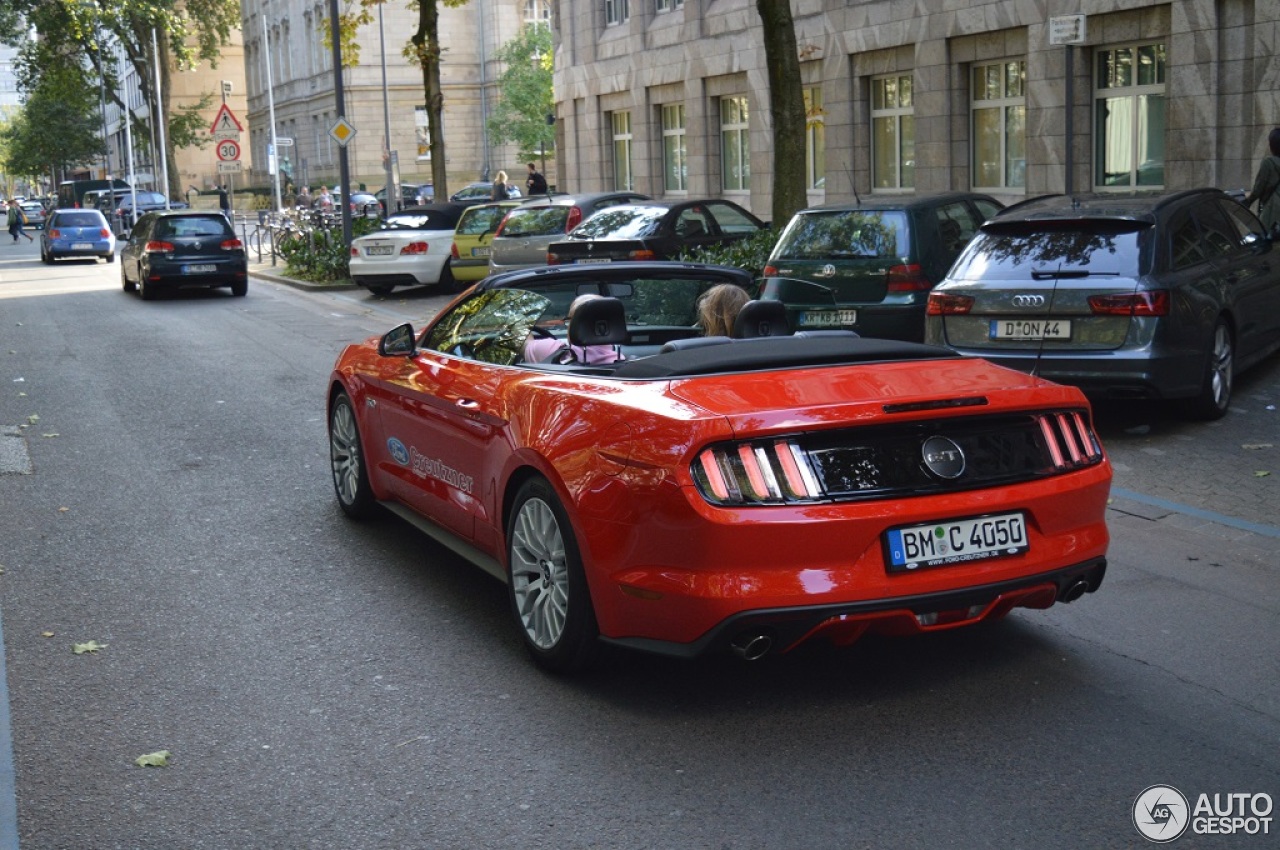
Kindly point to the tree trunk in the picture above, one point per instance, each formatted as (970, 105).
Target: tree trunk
(171, 161)
(426, 42)
(786, 108)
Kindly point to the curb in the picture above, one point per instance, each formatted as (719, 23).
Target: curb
(275, 275)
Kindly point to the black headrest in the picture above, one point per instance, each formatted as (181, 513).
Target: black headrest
(600, 321)
(761, 318)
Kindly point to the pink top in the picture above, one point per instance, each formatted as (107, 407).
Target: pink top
(546, 350)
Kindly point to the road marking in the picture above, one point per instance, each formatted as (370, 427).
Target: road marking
(1198, 513)
(8, 782)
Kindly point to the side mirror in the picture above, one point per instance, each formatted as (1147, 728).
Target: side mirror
(398, 342)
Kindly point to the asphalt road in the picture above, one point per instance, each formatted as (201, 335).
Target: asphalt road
(325, 684)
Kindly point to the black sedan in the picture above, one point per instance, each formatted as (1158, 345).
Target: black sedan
(183, 250)
(653, 230)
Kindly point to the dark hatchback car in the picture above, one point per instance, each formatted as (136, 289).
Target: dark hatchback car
(1126, 296)
(868, 266)
(183, 249)
(654, 230)
(525, 233)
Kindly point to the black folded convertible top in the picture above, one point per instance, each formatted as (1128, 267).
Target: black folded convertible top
(778, 352)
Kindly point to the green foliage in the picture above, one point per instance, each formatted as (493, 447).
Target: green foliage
(58, 125)
(526, 100)
(321, 256)
(749, 254)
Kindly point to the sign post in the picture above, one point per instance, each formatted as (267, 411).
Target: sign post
(226, 130)
(1068, 30)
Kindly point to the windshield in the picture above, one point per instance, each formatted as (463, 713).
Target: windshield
(620, 223)
(78, 219)
(844, 235)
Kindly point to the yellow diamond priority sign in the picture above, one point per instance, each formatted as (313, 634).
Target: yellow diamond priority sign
(342, 132)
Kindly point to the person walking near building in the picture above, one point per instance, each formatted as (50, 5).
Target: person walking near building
(224, 201)
(499, 192)
(537, 184)
(1266, 185)
(17, 218)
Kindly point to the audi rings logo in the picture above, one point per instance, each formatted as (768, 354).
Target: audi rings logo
(943, 457)
(1161, 814)
(1028, 300)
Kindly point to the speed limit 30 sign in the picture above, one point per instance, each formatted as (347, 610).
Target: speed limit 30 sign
(228, 150)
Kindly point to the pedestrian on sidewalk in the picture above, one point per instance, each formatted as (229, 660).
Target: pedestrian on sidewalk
(224, 201)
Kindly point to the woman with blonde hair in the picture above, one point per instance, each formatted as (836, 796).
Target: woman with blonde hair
(499, 192)
(718, 307)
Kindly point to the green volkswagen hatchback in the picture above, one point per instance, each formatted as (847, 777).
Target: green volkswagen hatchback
(868, 266)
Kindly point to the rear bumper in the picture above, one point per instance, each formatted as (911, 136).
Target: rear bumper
(755, 633)
(171, 275)
(1116, 374)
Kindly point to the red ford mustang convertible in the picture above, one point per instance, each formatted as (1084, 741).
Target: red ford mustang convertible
(636, 483)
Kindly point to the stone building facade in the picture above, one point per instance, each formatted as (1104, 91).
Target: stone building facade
(670, 97)
(302, 80)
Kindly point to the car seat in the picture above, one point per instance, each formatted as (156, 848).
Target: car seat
(761, 318)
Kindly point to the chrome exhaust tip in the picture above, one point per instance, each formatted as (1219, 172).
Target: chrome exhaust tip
(1074, 591)
(752, 646)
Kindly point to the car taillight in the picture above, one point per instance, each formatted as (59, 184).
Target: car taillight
(453, 251)
(574, 219)
(55, 234)
(770, 271)
(945, 304)
(414, 248)
(157, 247)
(104, 233)
(641, 254)
(554, 259)
(1153, 303)
(231, 245)
(355, 252)
(760, 472)
(907, 278)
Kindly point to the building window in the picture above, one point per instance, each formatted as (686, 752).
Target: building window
(616, 11)
(622, 176)
(815, 139)
(537, 13)
(893, 133)
(675, 163)
(668, 5)
(999, 125)
(422, 131)
(1129, 117)
(735, 145)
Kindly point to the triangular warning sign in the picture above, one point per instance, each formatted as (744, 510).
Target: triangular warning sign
(225, 122)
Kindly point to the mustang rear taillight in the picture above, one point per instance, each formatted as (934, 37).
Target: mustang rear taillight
(1153, 303)
(1069, 440)
(758, 472)
(231, 245)
(414, 248)
(157, 247)
(907, 278)
(944, 304)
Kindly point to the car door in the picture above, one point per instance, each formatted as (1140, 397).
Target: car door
(1252, 278)
(135, 247)
(444, 415)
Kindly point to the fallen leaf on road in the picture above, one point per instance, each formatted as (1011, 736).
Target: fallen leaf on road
(1256, 446)
(53, 434)
(1261, 473)
(63, 510)
(160, 758)
(46, 634)
(33, 418)
(87, 646)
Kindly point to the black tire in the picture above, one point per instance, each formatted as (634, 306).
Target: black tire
(347, 461)
(546, 584)
(128, 285)
(379, 289)
(1214, 399)
(240, 288)
(145, 289)
(110, 258)
(449, 283)
(47, 259)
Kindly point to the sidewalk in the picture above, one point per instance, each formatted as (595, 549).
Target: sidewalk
(276, 274)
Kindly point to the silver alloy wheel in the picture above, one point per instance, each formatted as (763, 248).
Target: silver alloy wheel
(344, 453)
(1221, 365)
(539, 573)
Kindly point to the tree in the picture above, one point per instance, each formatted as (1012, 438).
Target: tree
(187, 32)
(786, 108)
(57, 127)
(526, 93)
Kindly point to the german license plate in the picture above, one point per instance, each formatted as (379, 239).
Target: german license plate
(481, 252)
(1030, 329)
(199, 268)
(379, 250)
(828, 318)
(587, 261)
(957, 541)
(81, 246)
